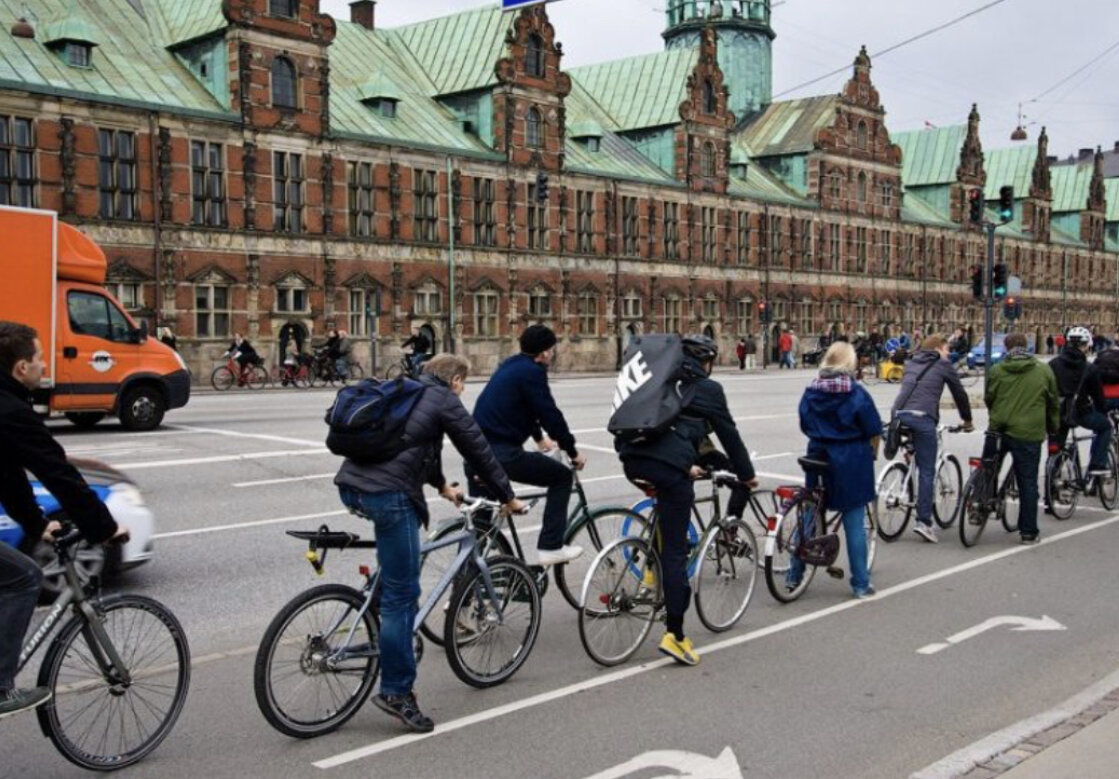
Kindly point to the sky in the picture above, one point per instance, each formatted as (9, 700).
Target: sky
(1014, 52)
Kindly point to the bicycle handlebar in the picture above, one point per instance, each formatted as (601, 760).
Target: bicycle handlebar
(727, 479)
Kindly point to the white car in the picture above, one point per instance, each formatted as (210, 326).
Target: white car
(125, 503)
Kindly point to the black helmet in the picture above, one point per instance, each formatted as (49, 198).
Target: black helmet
(700, 347)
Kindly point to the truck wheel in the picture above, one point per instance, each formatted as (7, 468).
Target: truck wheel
(142, 408)
(85, 419)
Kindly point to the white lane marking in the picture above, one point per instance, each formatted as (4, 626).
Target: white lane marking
(777, 456)
(241, 525)
(748, 418)
(257, 436)
(285, 479)
(222, 458)
(1023, 624)
(683, 764)
(785, 478)
(626, 673)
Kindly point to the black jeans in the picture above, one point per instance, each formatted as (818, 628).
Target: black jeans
(675, 498)
(537, 470)
(20, 580)
(739, 496)
(1027, 459)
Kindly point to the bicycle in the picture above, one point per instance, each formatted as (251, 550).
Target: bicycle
(591, 528)
(319, 657)
(120, 663)
(1065, 479)
(253, 375)
(297, 374)
(897, 487)
(969, 377)
(324, 370)
(984, 495)
(801, 528)
(623, 592)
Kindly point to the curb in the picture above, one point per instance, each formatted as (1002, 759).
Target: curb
(1005, 749)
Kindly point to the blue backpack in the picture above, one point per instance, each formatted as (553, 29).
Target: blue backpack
(367, 419)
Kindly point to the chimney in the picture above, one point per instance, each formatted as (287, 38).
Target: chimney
(1086, 154)
(361, 12)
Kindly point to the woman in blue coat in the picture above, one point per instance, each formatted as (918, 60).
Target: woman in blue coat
(839, 418)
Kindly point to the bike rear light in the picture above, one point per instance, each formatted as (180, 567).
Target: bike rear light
(787, 492)
(771, 524)
(1054, 448)
(975, 462)
(363, 570)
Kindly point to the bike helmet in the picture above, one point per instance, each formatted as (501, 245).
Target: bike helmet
(700, 347)
(1079, 336)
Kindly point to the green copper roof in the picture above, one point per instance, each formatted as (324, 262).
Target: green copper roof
(129, 67)
(930, 156)
(379, 87)
(615, 157)
(1009, 167)
(914, 209)
(458, 52)
(790, 126)
(639, 92)
(759, 184)
(1070, 186)
(584, 128)
(178, 21)
(1111, 192)
(71, 28)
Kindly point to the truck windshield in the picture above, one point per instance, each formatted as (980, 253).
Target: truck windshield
(92, 314)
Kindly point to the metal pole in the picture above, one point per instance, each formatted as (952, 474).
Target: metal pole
(450, 339)
(989, 301)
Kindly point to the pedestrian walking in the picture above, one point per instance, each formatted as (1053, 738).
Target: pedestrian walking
(1049, 344)
(785, 348)
(1022, 399)
(740, 352)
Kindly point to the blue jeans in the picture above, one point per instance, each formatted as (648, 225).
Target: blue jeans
(396, 525)
(342, 367)
(1100, 425)
(20, 580)
(854, 531)
(787, 360)
(924, 441)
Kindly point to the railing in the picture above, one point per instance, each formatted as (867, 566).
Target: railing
(681, 11)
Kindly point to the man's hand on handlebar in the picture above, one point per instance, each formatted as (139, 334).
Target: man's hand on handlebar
(514, 506)
(579, 462)
(546, 444)
(54, 530)
(452, 492)
(697, 472)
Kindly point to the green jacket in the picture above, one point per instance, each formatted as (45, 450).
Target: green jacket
(1022, 398)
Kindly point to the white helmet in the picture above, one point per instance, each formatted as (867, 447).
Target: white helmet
(1079, 336)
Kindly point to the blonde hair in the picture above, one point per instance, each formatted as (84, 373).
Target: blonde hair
(447, 367)
(840, 356)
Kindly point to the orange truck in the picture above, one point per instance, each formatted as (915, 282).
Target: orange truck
(98, 360)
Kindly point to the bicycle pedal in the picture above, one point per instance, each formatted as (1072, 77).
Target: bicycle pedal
(834, 572)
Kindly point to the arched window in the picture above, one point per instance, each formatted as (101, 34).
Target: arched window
(860, 135)
(862, 188)
(534, 56)
(534, 129)
(707, 160)
(283, 83)
(710, 104)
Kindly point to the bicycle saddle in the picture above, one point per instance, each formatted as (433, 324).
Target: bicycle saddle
(811, 465)
(647, 487)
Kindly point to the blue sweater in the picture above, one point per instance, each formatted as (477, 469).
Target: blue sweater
(517, 403)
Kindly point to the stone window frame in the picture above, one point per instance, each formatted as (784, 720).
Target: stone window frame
(213, 313)
(290, 291)
(745, 311)
(358, 299)
(425, 208)
(284, 76)
(427, 299)
(743, 245)
(673, 306)
(776, 241)
(835, 247)
(487, 308)
(861, 187)
(631, 238)
(887, 194)
(539, 305)
(710, 307)
(128, 292)
(586, 312)
(885, 251)
(633, 305)
(361, 198)
(117, 175)
(485, 215)
(288, 201)
(17, 161)
(806, 316)
(207, 183)
(861, 250)
(671, 230)
(861, 134)
(584, 221)
(807, 256)
(534, 128)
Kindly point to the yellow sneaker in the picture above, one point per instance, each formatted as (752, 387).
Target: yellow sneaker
(680, 651)
(650, 579)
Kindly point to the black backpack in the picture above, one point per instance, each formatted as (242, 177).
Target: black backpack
(651, 390)
(367, 419)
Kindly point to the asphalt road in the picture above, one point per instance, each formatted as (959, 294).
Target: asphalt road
(824, 686)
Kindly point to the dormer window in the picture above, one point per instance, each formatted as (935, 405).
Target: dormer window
(77, 54)
(587, 132)
(387, 108)
(381, 95)
(534, 56)
(593, 144)
(283, 83)
(72, 39)
(288, 8)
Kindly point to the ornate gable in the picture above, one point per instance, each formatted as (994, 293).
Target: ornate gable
(1092, 218)
(212, 274)
(859, 90)
(970, 171)
(1097, 198)
(703, 140)
(293, 279)
(120, 271)
(1040, 186)
(1036, 208)
(361, 281)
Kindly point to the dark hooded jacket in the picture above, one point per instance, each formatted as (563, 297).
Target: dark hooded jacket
(839, 418)
(924, 396)
(1069, 366)
(438, 411)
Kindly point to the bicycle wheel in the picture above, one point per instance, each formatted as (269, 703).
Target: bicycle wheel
(895, 501)
(303, 378)
(1010, 502)
(620, 600)
(356, 372)
(946, 491)
(1108, 486)
(394, 372)
(222, 378)
(727, 572)
(96, 720)
(304, 685)
(256, 377)
(594, 533)
(973, 508)
(435, 562)
(1060, 485)
(780, 548)
(870, 523)
(488, 639)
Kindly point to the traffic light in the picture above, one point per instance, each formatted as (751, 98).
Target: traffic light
(542, 187)
(1006, 204)
(977, 282)
(763, 312)
(975, 204)
(998, 282)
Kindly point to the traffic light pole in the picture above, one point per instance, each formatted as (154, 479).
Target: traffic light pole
(988, 300)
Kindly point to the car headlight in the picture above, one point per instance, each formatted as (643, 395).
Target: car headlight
(129, 494)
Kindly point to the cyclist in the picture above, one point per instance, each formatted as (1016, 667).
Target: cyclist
(28, 446)
(918, 405)
(1021, 396)
(391, 495)
(1107, 363)
(1078, 382)
(517, 404)
(421, 348)
(243, 352)
(840, 420)
(338, 349)
(666, 463)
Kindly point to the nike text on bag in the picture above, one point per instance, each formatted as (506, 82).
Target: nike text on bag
(649, 395)
(367, 419)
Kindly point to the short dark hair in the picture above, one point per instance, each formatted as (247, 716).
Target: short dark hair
(1015, 341)
(17, 342)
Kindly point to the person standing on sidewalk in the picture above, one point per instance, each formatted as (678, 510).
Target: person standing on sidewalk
(751, 348)
(918, 406)
(1022, 399)
(785, 347)
(740, 353)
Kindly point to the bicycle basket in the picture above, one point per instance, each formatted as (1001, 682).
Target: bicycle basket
(821, 550)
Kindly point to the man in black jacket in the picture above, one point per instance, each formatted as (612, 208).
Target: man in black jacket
(666, 462)
(517, 404)
(1078, 383)
(391, 495)
(28, 446)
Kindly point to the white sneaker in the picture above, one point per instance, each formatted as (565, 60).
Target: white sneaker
(559, 556)
(927, 532)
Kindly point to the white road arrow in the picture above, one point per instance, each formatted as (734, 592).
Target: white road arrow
(1019, 624)
(684, 765)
